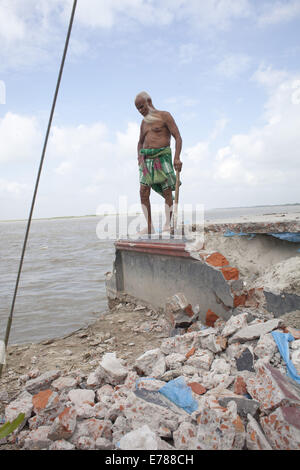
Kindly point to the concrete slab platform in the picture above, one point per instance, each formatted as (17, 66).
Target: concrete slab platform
(153, 269)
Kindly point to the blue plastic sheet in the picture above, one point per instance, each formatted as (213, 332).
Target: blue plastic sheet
(228, 233)
(181, 394)
(282, 340)
(288, 236)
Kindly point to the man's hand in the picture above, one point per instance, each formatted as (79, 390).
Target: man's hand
(177, 164)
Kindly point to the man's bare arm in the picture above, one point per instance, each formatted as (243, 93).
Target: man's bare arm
(141, 141)
(172, 126)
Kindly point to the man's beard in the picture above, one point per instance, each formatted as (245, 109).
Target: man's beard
(151, 116)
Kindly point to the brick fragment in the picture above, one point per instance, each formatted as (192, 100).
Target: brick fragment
(190, 353)
(210, 318)
(197, 388)
(189, 310)
(239, 386)
(230, 273)
(239, 300)
(45, 400)
(217, 259)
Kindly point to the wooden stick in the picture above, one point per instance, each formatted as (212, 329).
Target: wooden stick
(175, 213)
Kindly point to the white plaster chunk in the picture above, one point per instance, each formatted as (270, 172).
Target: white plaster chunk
(112, 369)
(295, 357)
(220, 366)
(61, 444)
(152, 363)
(175, 360)
(255, 438)
(38, 439)
(265, 347)
(22, 404)
(255, 331)
(139, 439)
(236, 322)
(202, 359)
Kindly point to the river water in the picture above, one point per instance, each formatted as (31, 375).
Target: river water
(62, 284)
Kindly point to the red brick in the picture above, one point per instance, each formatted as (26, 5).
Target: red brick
(190, 353)
(210, 318)
(189, 310)
(197, 388)
(230, 273)
(240, 387)
(41, 399)
(239, 300)
(217, 259)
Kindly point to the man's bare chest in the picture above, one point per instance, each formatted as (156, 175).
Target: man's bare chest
(157, 128)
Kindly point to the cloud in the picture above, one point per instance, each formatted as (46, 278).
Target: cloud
(33, 31)
(198, 152)
(233, 65)
(188, 53)
(64, 168)
(211, 13)
(29, 31)
(12, 28)
(269, 77)
(219, 127)
(267, 155)
(215, 14)
(74, 143)
(279, 12)
(12, 188)
(20, 138)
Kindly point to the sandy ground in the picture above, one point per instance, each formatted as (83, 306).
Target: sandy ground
(126, 331)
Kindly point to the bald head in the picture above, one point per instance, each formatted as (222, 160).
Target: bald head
(143, 103)
(144, 96)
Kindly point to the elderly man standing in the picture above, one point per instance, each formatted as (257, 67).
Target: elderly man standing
(155, 158)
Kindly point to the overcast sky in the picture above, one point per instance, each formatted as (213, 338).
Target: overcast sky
(227, 70)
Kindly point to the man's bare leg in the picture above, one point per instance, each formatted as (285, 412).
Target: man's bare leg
(168, 209)
(145, 201)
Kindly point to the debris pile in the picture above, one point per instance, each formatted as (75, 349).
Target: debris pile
(222, 385)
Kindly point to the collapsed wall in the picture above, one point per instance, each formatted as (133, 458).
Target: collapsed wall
(232, 268)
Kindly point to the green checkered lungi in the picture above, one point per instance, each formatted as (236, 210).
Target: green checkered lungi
(157, 169)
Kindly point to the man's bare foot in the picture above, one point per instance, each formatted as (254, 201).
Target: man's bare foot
(166, 228)
(144, 231)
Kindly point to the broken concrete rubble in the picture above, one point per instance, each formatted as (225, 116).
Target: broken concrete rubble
(244, 398)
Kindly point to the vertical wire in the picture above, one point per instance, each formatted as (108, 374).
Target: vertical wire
(9, 321)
